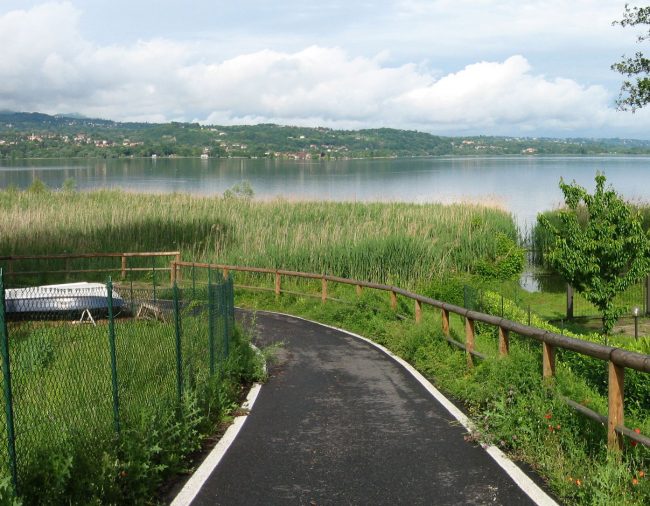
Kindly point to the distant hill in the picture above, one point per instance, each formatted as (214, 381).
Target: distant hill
(24, 135)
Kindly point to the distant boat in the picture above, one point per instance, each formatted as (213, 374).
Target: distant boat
(154, 156)
(204, 156)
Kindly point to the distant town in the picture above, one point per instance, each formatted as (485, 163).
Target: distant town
(35, 135)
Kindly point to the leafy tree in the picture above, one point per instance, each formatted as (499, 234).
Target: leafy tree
(606, 253)
(635, 93)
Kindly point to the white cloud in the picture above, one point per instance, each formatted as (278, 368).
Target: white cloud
(48, 66)
(488, 95)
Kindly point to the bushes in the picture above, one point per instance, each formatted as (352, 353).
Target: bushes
(508, 262)
(594, 371)
(68, 451)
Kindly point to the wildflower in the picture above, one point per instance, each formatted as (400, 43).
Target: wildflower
(641, 474)
(637, 430)
(558, 426)
(548, 416)
(551, 428)
(122, 474)
(633, 443)
(635, 481)
(578, 482)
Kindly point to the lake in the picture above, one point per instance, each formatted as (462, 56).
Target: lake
(524, 185)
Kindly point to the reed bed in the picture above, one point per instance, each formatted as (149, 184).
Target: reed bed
(383, 242)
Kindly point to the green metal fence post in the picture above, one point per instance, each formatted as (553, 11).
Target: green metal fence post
(193, 281)
(231, 299)
(179, 351)
(153, 277)
(6, 373)
(221, 305)
(111, 343)
(131, 293)
(211, 325)
(229, 312)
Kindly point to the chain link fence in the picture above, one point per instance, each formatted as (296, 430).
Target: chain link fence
(82, 362)
(569, 305)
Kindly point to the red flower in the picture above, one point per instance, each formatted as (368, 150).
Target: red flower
(548, 416)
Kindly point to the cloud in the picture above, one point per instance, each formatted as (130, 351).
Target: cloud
(48, 66)
(488, 95)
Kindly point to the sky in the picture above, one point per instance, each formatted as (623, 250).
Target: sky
(449, 67)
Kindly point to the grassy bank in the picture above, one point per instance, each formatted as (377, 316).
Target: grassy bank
(506, 397)
(392, 242)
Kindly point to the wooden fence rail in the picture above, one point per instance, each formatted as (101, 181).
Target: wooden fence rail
(10, 261)
(617, 358)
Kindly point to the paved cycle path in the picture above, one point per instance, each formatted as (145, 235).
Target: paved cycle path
(340, 422)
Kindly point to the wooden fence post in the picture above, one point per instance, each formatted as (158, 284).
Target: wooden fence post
(172, 273)
(569, 302)
(504, 342)
(278, 285)
(445, 322)
(393, 301)
(359, 290)
(615, 414)
(548, 361)
(469, 341)
(323, 294)
(177, 259)
(123, 272)
(418, 311)
(225, 273)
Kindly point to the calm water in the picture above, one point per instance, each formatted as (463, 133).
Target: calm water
(523, 185)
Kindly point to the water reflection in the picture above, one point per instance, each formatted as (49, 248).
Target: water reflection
(536, 281)
(520, 184)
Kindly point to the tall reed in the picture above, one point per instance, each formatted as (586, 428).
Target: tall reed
(386, 242)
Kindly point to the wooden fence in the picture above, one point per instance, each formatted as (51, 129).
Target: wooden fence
(618, 359)
(123, 268)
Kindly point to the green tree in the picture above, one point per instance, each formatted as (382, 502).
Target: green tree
(635, 90)
(604, 254)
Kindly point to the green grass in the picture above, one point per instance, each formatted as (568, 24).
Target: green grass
(391, 242)
(506, 397)
(66, 445)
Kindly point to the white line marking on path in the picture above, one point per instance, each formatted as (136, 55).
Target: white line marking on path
(530, 488)
(200, 476)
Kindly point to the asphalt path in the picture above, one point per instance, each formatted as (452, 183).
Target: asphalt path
(340, 422)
